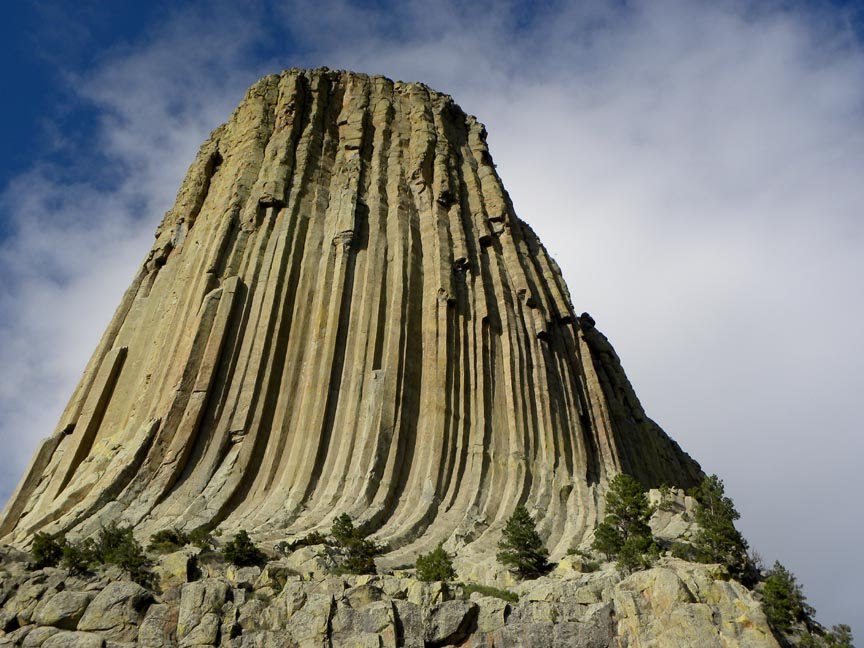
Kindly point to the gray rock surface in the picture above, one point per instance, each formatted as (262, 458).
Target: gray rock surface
(450, 622)
(158, 629)
(176, 568)
(200, 617)
(117, 611)
(38, 636)
(675, 604)
(74, 640)
(63, 609)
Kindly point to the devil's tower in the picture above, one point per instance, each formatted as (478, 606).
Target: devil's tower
(343, 313)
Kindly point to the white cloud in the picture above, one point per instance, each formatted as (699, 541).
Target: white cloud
(80, 232)
(694, 167)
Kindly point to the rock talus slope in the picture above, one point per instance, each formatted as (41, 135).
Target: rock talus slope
(673, 605)
(343, 313)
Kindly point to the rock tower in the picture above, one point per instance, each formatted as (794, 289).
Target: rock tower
(343, 313)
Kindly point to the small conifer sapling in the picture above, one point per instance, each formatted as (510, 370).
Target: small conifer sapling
(717, 540)
(360, 551)
(782, 599)
(624, 533)
(521, 547)
(46, 551)
(437, 565)
(840, 636)
(241, 551)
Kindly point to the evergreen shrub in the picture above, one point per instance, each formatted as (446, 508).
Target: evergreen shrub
(521, 547)
(437, 565)
(46, 551)
(359, 550)
(241, 551)
(624, 534)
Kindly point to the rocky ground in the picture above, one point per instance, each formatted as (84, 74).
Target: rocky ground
(674, 604)
(298, 601)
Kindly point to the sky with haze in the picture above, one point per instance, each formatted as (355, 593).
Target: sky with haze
(696, 168)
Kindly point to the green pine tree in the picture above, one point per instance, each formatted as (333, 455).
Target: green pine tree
(360, 551)
(782, 599)
(840, 637)
(242, 552)
(47, 550)
(79, 556)
(168, 540)
(624, 533)
(343, 530)
(116, 545)
(437, 565)
(522, 548)
(717, 540)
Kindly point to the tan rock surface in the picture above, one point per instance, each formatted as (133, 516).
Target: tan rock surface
(343, 313)
(669, 606)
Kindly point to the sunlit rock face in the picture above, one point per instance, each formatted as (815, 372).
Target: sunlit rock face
(343, 313)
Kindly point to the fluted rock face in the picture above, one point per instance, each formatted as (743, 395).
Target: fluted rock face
(342, 313)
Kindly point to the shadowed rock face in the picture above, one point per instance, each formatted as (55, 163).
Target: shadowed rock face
(342, 313)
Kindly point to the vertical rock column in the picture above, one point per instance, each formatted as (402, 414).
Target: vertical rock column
(342, 312)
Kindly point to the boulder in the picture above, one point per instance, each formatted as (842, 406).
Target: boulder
(587, 595)
(374, 625)
(63, 610)
(292, 598)
(68, 639)
(18, 610)
(38, 636)
(117, 611)
(310, 625)
(176, 568)
(450, 622)
(687, 606)
(250, 613)
(426, 594)
(199, 617)
(492, 612)
(409, 624)
(393, 586)
(17, 636)
(275, 574)
(315, 561)
(159, 627)
(362, 595)
(552, 635)
(243, 577)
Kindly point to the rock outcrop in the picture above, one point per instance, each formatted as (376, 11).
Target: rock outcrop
(343, 313)
(676, 604)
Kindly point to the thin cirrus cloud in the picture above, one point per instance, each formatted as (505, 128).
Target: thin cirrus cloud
(694, 167)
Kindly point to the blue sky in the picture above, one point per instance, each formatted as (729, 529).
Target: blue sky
(44, 42)
(695, 167)
(49, 43)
